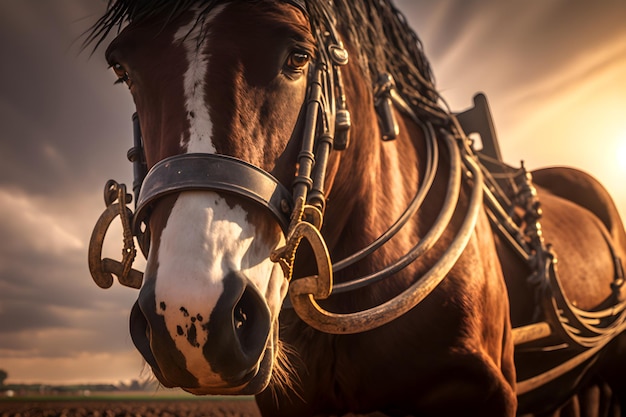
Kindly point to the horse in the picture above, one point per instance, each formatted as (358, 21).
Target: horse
(320, 232)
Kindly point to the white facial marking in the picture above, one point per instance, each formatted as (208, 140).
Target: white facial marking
(194, 81)
(203, 240)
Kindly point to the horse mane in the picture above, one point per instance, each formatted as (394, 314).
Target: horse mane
(384, 42)
(376, 29)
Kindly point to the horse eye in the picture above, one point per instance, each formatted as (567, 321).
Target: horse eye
(120, 71)
(297, 60)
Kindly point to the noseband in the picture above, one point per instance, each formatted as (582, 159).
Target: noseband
(300, 211)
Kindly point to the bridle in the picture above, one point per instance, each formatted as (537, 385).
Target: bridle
(300, 211)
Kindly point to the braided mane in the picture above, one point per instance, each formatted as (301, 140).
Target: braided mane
(375, 28)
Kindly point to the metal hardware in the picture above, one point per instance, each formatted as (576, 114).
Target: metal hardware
(304, 302)
(320, 285)
(338, 54)
(342, 130)
(388, 123)
(102, 270)
(138, 158)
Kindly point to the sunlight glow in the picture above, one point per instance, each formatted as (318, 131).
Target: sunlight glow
(621, 152)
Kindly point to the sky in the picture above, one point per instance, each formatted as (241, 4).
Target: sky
(554, 72)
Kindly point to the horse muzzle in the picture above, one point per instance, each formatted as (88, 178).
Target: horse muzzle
(224, 350)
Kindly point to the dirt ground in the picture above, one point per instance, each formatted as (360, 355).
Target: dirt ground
(130, 408)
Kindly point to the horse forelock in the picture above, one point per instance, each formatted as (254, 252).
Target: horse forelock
(121, 12)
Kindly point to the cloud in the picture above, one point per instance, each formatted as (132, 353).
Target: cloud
(68, 332)
(31, 228)
(598, 71)
(49, 306)
(554, 73)
(63, 122)
(64, 131)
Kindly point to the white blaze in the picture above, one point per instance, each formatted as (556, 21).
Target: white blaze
(203, 240)
(194, 82)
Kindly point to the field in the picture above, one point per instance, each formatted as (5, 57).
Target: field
(128, 406)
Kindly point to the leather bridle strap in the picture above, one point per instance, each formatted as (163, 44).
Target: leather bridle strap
(431, 165)
(212, 172)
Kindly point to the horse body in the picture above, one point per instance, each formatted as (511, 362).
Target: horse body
(233, 78)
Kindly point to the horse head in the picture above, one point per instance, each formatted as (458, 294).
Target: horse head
(222, 79)
(240, 104)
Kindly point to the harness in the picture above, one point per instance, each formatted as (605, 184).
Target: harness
(300, 213)
(558, 324)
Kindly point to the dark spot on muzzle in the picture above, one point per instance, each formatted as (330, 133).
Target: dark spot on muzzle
(238, 330)
(149, 334)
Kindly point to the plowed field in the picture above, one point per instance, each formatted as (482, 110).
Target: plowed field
(129, 408)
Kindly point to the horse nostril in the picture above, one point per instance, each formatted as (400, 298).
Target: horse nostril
(238, 329)
(140, 335)
(251, 320)
(149, 334)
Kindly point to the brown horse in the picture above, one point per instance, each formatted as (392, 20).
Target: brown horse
(258, 176)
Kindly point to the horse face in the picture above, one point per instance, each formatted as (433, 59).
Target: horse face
(228, 81)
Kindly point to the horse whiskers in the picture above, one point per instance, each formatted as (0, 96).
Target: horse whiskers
(284, 375)
(149, 378)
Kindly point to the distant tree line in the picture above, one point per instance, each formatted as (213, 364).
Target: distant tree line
(134, 385)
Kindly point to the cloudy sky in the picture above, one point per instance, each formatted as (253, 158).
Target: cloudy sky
(553, 70)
